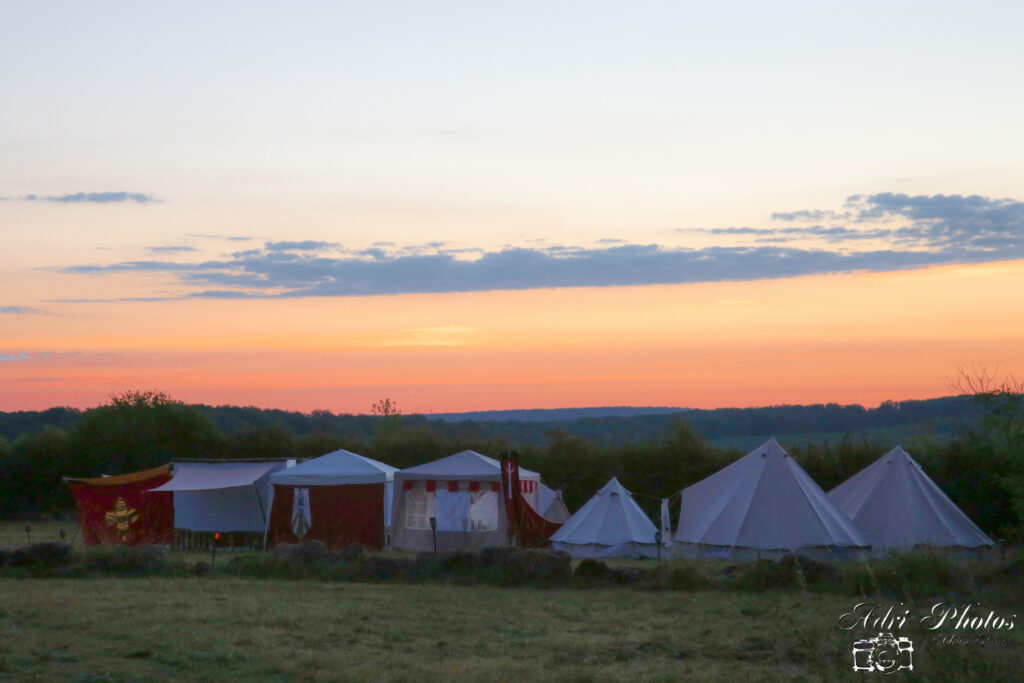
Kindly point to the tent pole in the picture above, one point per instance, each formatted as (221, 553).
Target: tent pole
(263, 511)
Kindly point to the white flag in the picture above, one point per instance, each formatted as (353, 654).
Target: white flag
(302, 517)
(666, 524)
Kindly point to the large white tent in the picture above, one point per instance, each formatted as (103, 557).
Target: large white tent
(896, 506)
(222, 496)
(763, 506)
(462, 494)
(338, 498)
(610, 524)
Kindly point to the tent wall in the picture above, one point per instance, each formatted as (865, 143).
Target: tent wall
(144, 517)
(597, 551)
(340, 515)
(469, 515)
(737, 553)
(240, 508)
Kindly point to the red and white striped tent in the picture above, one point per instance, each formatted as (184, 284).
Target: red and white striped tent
(462, 494)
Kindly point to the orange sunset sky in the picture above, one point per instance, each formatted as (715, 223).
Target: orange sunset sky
(484, 207)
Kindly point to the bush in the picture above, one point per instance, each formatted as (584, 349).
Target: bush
(675, 577)
(907, 575)
(119, 559)
(39, 555)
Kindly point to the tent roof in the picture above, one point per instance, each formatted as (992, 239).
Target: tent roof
(895, 504)
(610, 517)
(464, 466)
(338, 467)
(121, 479)
(766, 501)
(195, 476)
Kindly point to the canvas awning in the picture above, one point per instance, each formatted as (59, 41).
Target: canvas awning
(195, 476)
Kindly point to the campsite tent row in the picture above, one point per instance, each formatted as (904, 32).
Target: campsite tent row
(762, 505)
(339, 498)
(765, 505)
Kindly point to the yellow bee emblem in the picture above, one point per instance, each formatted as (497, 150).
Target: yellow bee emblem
(122, 518)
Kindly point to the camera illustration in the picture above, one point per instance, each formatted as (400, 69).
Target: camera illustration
(883, 654)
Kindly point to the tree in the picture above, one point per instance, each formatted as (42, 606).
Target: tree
(997, 445)
(136, 430)
(389, 413)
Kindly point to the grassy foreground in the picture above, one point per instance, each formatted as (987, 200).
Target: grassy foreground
(225, 627)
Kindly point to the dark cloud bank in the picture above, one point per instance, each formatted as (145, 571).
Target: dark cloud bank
(925, 231)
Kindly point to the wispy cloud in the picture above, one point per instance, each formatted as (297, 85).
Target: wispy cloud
(18, 310)
(13, 357)
(306, 245)
(172, 250)
(881, 232)
(93, 198)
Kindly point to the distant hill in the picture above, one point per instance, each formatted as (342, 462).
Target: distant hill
(938, 419)
(550, 414)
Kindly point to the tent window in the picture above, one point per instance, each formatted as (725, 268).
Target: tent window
(419, 508)
(483, 511)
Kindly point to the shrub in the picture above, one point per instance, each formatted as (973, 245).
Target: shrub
(676, 577)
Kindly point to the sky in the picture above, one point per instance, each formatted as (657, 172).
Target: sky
(481, 205)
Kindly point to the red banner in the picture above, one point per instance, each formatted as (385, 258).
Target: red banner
(525, 523)
(117, 510)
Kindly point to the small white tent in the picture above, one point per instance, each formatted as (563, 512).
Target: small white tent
(763, 506)
(222, 496)
(610, 524)
(462, 494)
(896, 506)
(343, 497)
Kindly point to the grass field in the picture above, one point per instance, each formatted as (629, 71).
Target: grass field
(220, 627)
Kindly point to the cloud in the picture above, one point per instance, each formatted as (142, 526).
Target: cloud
(307, 245)
(13, 357)
(93, 198)
(904, 232)
(172, 250)
(18, 310)
(809, 215)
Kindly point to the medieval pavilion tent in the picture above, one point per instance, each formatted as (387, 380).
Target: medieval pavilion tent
(222, 496)
(763, 506)
(610, 524)
(461, 494)
(896, 506)
(339, 498)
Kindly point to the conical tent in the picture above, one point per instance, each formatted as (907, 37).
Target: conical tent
(462, 495)
(610, 524)
(763, 505)
(339, 498)
(895, 505)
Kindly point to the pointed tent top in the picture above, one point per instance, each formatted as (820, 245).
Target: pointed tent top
(335, 468)
(897, 505)
(463, 466)
(613, 486)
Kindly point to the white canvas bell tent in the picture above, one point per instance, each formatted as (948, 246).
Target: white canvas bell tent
(896, 506)
(610, 524)
(550, 504)
(222, 496)
(339, 498)
(763, 506)
(462, 494)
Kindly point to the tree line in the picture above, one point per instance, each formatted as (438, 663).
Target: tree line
(981, 469)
